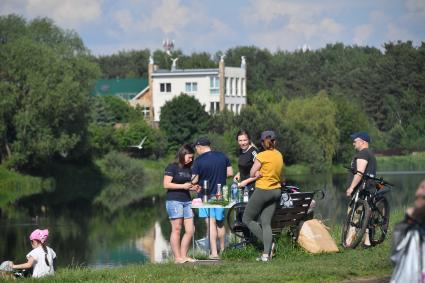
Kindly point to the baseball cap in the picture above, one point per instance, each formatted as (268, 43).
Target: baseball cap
(203, 141)
(266, 134)
(361, 135)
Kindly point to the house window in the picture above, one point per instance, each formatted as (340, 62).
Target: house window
(145, 111)
(236, 85)
(214, 107)
(165, 87)
(191, 87)
(231, 86)
(214, 85)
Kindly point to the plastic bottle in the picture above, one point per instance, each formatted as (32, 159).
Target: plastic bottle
(218, 194)
(205, 199)
(234, 192)
(226, 193)
(245, 195)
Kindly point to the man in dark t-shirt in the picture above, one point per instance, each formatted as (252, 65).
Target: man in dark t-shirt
(213, 167)
(363, 162)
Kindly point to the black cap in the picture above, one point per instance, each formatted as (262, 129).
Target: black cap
(203, 141)
(269, 134)
(361, 135)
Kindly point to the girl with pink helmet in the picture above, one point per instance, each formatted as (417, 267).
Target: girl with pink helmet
(41, 257)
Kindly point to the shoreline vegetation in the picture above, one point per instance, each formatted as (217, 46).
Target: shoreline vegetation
(14, 185)
(291, 264)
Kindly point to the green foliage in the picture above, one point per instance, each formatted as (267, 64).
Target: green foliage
(314, 121)
(183, 119)
(126, 179)
(45, 81)
(125, 64)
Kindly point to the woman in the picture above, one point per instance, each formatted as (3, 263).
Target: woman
(177, 181)
(247, 155)
(267, 169)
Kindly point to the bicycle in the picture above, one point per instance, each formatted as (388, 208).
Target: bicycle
(367, 211)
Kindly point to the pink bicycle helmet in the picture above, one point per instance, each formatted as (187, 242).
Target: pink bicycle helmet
(39, 235)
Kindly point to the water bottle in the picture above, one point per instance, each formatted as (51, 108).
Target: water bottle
(225, 193)
(218, 193)
(245, 195)
(205, 199)
(234, 192)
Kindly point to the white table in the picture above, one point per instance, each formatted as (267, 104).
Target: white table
(207, 206)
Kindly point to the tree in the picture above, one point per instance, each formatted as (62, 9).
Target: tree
(45, 80)
(314, 121)
(183, 119)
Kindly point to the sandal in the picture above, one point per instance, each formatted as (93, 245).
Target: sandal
(181, 261)
(214, 257)
(189, 259)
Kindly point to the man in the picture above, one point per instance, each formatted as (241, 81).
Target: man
(363, 162)
(408, 242)
(213, 167)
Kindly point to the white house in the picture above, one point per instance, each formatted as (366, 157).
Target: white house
(216, 89)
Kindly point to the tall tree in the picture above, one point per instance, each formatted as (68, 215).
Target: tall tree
(45, 80)
(183, 119)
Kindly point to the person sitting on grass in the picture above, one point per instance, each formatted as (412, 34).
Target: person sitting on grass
(41, 257)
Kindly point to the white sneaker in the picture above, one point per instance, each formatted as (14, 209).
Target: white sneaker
(263, 258)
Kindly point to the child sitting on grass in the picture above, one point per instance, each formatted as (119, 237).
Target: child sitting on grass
(41, 257)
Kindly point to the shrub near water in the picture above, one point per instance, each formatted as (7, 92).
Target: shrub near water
(126, 180)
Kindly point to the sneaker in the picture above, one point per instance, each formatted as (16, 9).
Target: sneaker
(263, 258)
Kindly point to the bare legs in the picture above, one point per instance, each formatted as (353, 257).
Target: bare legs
(216, 230)
(180, 247)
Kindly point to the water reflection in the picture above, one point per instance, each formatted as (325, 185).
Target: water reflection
(88, 235)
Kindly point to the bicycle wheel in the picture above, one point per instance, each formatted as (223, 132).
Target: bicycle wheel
(379, 220)
(355, 224)
(234, 221)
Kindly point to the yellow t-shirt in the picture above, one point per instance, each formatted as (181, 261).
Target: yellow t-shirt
(271, 169)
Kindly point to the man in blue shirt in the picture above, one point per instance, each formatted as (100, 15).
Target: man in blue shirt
(213, 167)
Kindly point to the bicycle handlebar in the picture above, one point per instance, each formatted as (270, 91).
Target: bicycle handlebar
(370, 176)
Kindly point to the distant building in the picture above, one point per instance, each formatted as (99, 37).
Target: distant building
(217, 89)
(127, 89)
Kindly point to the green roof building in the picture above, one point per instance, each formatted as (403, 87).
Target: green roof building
(124, 88)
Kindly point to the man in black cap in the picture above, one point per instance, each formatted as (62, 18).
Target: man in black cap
(364, 160)
(212, 167)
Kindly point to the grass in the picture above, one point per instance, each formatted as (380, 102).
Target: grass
(412, 162)
(291, 264)
(14, 185)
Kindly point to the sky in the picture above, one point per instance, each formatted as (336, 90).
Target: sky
(109, 26)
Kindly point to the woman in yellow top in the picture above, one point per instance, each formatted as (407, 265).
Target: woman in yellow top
(267, 169)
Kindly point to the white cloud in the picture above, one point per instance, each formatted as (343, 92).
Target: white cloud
(68, 13)
(362, 33)
(415, 6)
(170, 16)
(289, 24)
(395, 32)
(124, 19)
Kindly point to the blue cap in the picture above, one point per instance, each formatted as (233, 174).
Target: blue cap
(361, 135)
(268, 134)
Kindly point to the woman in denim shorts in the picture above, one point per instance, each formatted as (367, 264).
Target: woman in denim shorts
(177, 182)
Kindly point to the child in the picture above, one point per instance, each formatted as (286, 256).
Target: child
(41, 257)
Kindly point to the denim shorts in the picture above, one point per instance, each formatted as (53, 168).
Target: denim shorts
(179, 209)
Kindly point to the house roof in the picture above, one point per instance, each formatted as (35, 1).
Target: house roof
(184, 72)
(124, 88)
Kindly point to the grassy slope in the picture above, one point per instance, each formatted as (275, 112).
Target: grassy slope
(291, 264)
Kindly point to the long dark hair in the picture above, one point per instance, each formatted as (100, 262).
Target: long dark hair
(184, 149)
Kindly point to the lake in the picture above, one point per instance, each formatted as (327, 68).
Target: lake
(83, 234)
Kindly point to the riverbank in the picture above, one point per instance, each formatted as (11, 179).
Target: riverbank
(291, 264)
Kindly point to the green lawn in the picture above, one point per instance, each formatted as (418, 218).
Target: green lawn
(291, 264)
